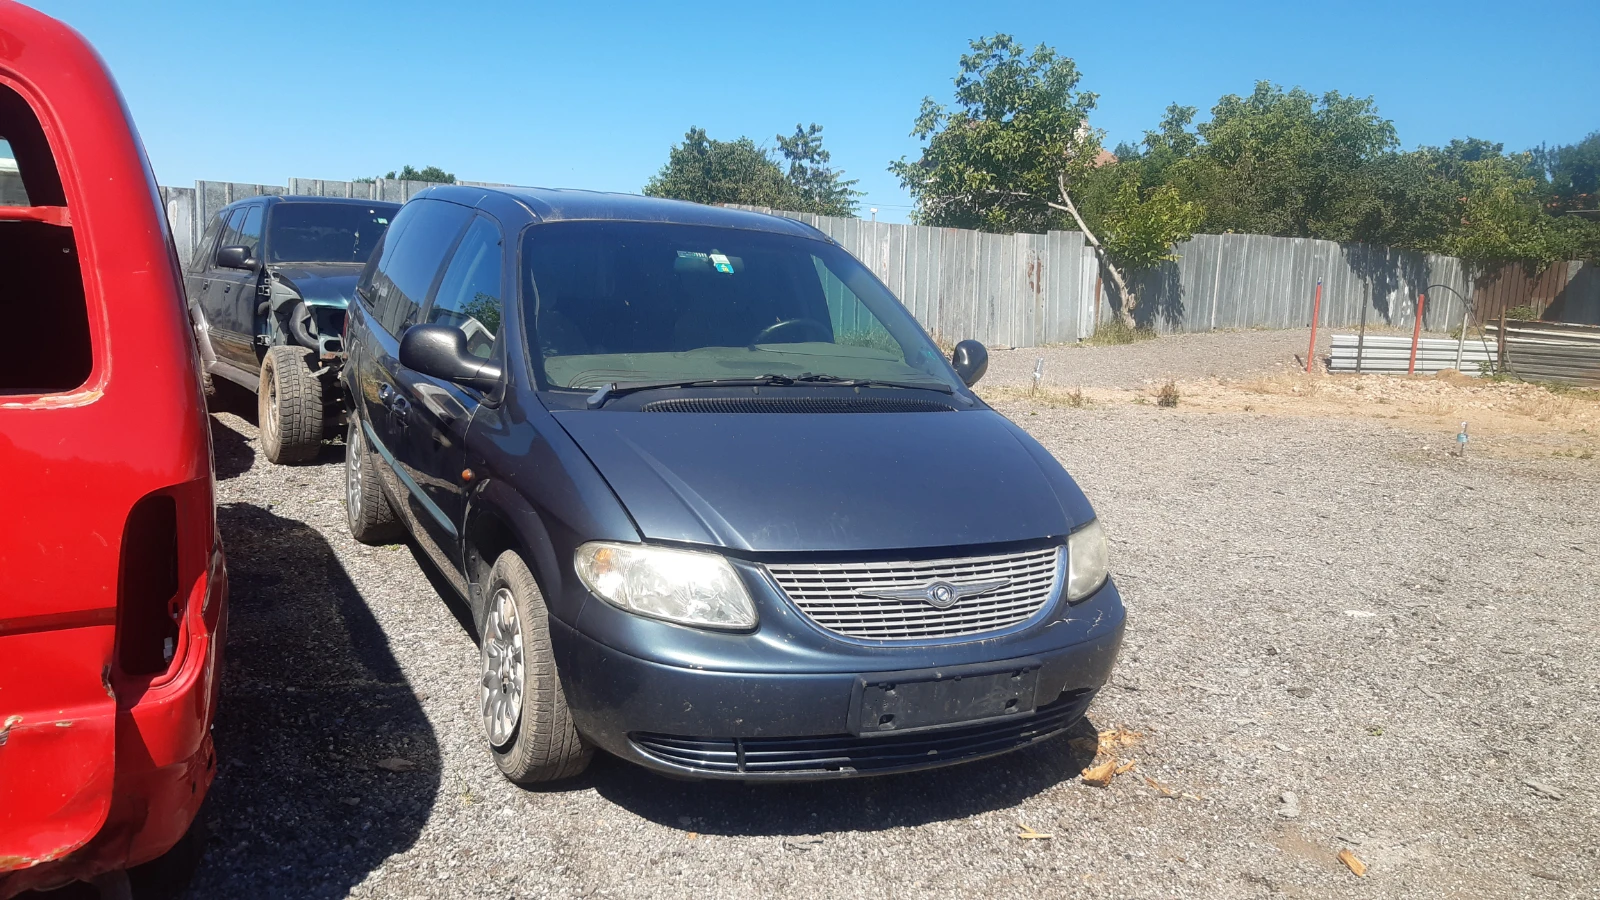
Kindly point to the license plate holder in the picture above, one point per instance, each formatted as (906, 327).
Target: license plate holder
(920, 699)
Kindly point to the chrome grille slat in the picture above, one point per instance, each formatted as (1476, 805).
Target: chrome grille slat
(829, 594)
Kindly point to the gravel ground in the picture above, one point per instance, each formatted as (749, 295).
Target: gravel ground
(1401, 640)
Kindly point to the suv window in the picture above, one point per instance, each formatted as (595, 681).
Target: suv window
(230, 232)
(326, 232)
(250, 232)
(45, 345)
(207, 249)
(425, 230)
(469, 295)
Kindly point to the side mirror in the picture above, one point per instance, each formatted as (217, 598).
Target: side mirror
(237, 257)
(440, 351)
(971, 360)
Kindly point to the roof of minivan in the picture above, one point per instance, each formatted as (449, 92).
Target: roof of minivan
(564, 204)
(307, 198)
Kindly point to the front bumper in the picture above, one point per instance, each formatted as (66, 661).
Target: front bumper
(710, 719)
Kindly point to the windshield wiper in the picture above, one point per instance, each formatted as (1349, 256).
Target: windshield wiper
(618, 388)
(838, 381)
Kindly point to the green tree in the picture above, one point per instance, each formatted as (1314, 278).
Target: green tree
(1573, 173)
(818, 187)
(1502, 221)
(1015, 150)
(1285, 162)
(705, 170)
(408, 173)
(995, 161)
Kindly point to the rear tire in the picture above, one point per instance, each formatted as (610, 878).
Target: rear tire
(366, 507)
(290, 406)
(526, 718)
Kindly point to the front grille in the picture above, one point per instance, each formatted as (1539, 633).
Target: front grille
(831, 594)
(844, 754)
(796, 405)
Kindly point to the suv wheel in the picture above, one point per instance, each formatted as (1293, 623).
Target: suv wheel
(366, 508)
(290, 406)
(525, 713)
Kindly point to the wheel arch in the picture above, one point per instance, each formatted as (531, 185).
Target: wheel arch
(499, 519)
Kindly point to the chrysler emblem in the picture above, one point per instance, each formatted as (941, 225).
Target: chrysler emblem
(939, 594)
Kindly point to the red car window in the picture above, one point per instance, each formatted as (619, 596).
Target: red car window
(44, 346)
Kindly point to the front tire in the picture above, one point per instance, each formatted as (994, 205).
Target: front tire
(366, 508)
(525, 714)
(290, 406)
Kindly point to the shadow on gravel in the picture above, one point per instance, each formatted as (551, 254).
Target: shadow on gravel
(860, 804)
(231, 453)
(312, 700)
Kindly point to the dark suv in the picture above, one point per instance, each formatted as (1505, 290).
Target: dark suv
(267, 292)
(718, 505)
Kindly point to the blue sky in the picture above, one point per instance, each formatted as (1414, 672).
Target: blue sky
(592, 94)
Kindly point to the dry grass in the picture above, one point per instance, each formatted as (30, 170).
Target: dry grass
(1167, 395)
(1513, 418)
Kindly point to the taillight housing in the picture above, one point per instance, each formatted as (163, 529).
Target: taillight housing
(166, 552)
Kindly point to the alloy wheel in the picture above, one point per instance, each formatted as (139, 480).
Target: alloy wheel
(502, 668)
(353, 451)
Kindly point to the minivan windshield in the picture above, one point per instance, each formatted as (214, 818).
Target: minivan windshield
(326, 232)
(629, 302)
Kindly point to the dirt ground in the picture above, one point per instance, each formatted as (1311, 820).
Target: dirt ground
(1342, 638)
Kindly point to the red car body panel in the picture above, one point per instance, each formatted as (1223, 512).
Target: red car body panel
(101, 769)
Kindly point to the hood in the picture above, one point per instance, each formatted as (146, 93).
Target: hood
(831, 482)
(321, 284)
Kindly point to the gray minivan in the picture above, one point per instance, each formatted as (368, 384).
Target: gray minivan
(717, 503)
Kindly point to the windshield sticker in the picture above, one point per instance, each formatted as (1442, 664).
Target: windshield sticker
(722, 263)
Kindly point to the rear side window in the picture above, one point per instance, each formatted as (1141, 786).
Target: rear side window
(12, 191)
(44, 343)
(469, 295)
(423, 232)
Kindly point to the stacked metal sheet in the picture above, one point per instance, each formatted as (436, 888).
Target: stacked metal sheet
(1551, 351)
(1386, 354)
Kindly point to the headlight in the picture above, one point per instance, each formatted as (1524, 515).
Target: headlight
(677, 585)
(1086, 561)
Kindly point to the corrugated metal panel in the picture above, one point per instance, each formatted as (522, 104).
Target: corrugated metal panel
(1552, 351)
(1384, 354)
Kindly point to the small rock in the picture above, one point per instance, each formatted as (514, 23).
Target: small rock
(1301, 692)
(802, 842)
(685, 820)
(1542, 788)
(396, 764)
(350, 801)
(1290, 808)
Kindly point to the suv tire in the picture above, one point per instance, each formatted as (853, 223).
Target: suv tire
(366, 507)
(526, 718)
(290, 406)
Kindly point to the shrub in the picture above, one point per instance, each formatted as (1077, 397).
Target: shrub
(1167, 395)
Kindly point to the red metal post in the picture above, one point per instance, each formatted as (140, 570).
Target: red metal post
(1416, 334)
(1316, 313)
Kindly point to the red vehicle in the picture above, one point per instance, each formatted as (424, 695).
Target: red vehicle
(112, 588)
